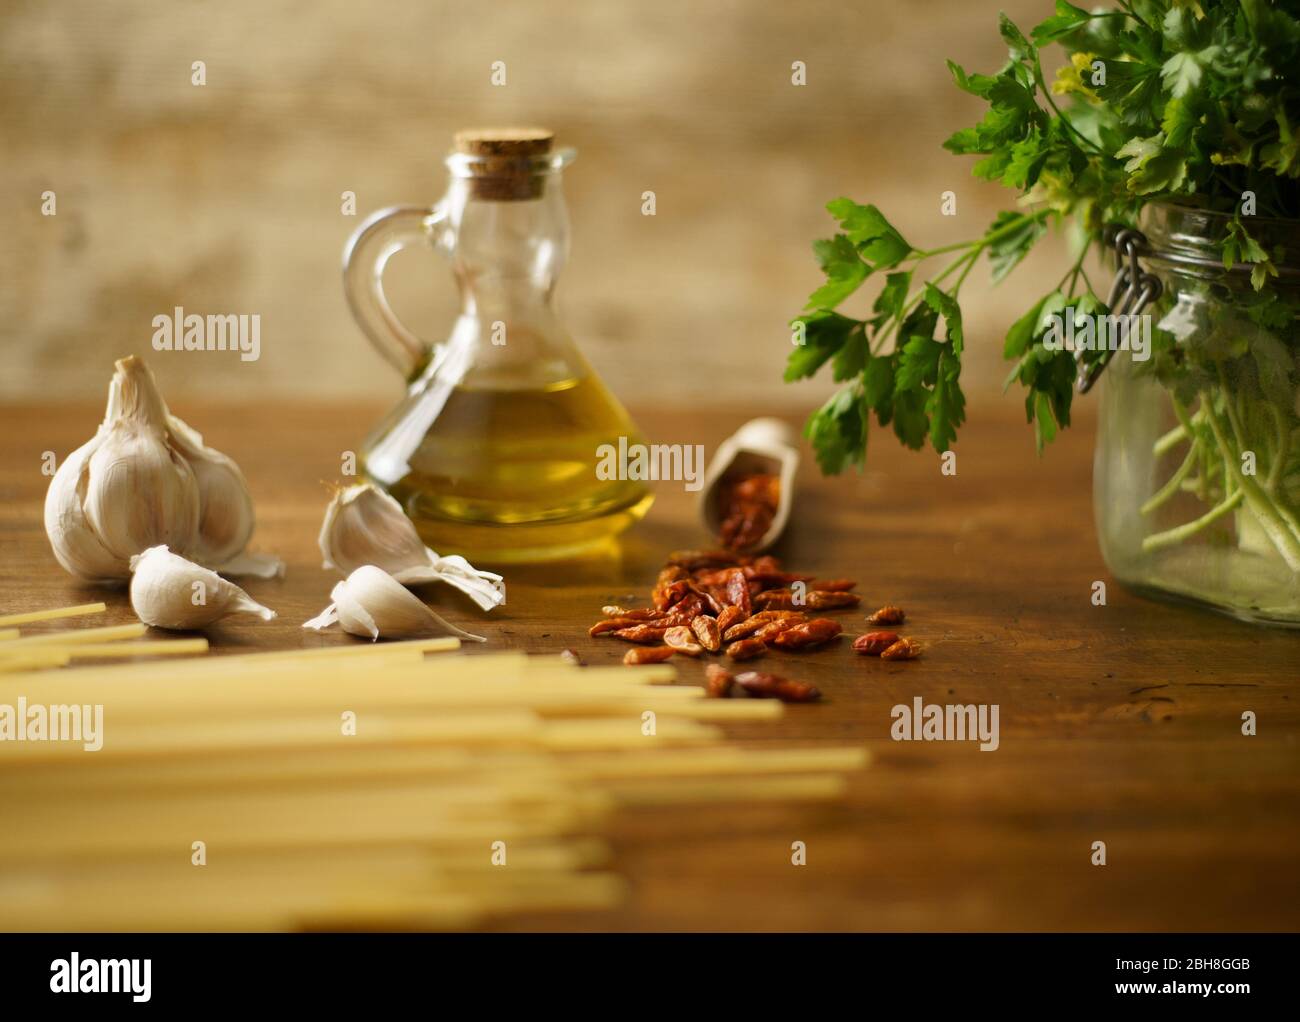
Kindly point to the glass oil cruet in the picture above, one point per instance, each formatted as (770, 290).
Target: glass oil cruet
(493, 452)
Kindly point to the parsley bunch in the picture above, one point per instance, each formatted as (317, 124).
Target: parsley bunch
(1189, 101)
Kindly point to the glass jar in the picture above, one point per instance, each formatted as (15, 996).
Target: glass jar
(493, 452)
(1196, 479)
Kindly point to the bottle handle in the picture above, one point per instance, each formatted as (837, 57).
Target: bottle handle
(365, 256)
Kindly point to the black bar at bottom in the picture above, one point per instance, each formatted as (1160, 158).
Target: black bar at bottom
(1233, 973)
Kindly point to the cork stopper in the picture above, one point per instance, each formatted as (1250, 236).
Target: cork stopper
(502, 170)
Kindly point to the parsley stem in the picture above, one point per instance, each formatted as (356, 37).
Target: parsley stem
(1174, 536)
(1270, 516)
(955, 246)
(965, 262)
(1010, 227)
(1174, 483)
(964, 273)
(969, 258)
(1128, 9)
(1047, 95)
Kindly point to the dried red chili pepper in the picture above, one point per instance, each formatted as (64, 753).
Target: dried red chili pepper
(775, 599)
(729, 617)
(773, 686)
(808, 633)
(903, 649)
(706, 631)
(747, 649)
(887, 615)
(635, 613)
(774, 628)
(746, 508)
(613, 624)
(682, 639)
(712, 578)
(717, 681)
(874, 643)
(737, 590)
(759, 620)
(819, 600)
(641, 633)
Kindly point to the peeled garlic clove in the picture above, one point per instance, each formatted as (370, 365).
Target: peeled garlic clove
(168, 591)
(366, 526)
(372, 604)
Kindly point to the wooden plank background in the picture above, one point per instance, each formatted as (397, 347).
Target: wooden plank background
(1118, 723)
(226, 198)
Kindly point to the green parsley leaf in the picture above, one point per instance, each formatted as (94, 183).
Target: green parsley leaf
(1066, 19)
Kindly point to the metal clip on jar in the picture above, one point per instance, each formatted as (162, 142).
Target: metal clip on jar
(1196, 480)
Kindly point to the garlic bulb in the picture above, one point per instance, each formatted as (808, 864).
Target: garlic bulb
(170, 592)
(373, 604)
(145, 479)
(364, 525)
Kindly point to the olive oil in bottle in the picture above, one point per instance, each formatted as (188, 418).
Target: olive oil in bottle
(510, 474)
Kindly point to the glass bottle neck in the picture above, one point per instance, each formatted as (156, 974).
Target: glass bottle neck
(507, 254)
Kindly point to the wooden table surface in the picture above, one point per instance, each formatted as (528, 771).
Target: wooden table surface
(1119, 723)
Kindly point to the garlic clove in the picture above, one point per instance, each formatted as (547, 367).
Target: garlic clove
(140, 492)
(372, 604)
(167, 591)
(226, 517)
(76, 546)
(255, 565)
(356, 620)
(365, 526)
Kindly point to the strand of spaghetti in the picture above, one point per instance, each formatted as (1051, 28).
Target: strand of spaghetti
(28, 660)
(157, 647)
(440, 644)
(32, 616)
(108, 633)
(8, 633)
(816, 787)
(219, 668)
(325, 657)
